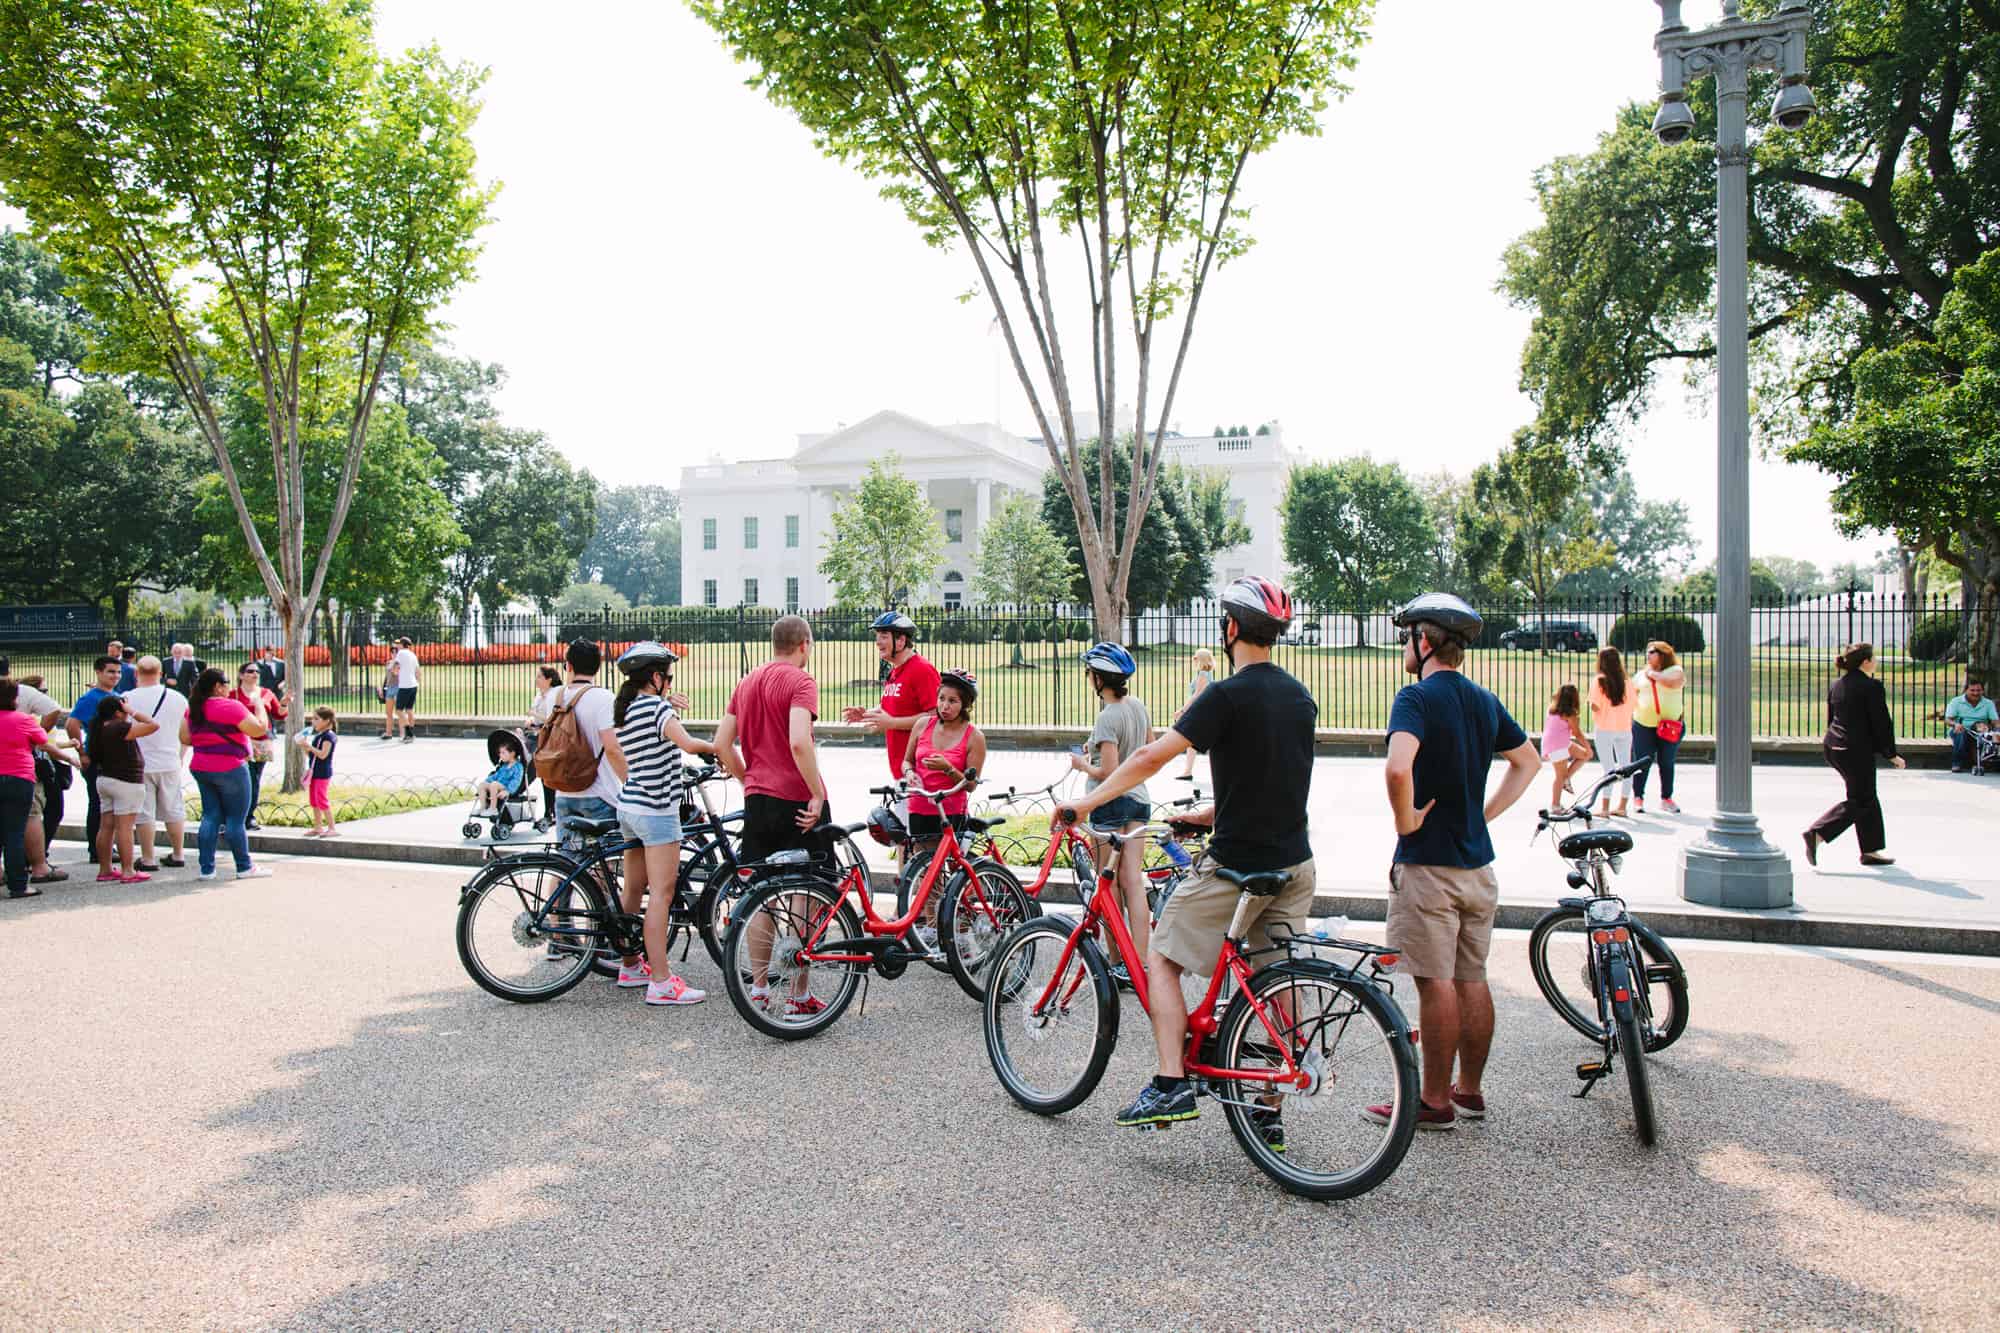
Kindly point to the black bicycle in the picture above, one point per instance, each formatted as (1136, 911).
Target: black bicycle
(1605, 972)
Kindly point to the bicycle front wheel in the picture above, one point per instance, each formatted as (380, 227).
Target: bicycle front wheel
(972, 922)
(777, 991)
(1347, 1130)
(1051, 1016)
(1559, 954)
(515, 941)
(1631, 1049)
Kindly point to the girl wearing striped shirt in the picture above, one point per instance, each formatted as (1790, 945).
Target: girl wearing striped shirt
(649, 811)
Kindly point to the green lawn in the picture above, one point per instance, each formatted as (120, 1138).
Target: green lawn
(1354, 686)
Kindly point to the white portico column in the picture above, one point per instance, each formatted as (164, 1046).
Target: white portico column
(982, 508)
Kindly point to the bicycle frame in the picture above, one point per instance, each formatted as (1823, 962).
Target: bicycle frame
(853, 883)
(1231, 962)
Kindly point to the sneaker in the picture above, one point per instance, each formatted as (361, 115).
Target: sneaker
(1269, 1123)
(1121, 974)
(254, 872)
(1958, 768)
(1639, 805)
(631, 978)
(1670, 806)
(1471, 1105)
(1428, 1117)
(673, 991)
(804, 1006)
(253, 826)
(760, 995)
(1153, 1107)
(206, 875)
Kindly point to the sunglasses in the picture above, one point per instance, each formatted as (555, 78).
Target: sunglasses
(1403, 635)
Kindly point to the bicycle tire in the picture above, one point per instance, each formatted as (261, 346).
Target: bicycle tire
(1242, 1031)
(970, 936)
(721, 890)
(1009, 1003)
(1637, 1079)
(908, 877)
(496, 877)
(739, 961)
(1664, 975)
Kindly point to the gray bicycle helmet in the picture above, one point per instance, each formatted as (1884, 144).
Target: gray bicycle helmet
(1449, 613)
(895, 622)
(647, 656)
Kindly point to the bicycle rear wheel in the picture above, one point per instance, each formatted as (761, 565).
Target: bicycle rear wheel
(1559, 955)
(971, 925)
(1050, 1016)
(774, 990)
(511, 946)
(1355, 1044)
(1631, 1049)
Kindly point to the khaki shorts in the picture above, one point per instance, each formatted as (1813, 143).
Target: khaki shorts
(38, 804)
(1198, 916)
(119, 798)
(165, 802)
(1441, 919)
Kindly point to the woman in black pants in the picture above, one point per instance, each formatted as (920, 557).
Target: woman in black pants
(1857, 730)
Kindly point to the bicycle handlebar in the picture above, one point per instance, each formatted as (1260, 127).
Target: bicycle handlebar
(1580, 807)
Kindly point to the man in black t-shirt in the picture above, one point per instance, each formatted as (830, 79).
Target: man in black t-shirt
(1256, 726)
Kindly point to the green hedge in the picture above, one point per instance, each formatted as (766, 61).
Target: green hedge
(1933, 638)
(1634, 631)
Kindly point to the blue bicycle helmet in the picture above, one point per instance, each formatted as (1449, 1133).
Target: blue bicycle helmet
(1110, 658)
(895, 622)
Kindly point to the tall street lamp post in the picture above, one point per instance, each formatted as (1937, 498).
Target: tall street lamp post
(1731, 864)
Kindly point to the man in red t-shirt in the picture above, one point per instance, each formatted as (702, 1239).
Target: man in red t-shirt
(909, 694)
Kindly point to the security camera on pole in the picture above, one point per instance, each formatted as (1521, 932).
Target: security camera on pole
(1732, 864)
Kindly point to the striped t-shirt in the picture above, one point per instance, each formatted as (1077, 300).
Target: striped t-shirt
(652, 762)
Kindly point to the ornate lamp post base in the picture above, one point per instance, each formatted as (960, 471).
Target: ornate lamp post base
(1731, 865)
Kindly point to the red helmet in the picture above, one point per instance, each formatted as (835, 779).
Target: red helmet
(886, 828)
(1262, 609)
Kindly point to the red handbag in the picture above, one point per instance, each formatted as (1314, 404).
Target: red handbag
(1670, 729)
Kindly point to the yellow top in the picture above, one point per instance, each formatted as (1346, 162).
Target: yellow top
(1673, 703)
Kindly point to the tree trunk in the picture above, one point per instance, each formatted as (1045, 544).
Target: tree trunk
(335, 622)
(295, 705)
(1982, 652)
(1360, 629)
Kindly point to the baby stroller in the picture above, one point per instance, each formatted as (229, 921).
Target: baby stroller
(519, 807)
(1985, 752)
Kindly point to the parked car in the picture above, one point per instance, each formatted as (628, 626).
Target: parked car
(1561, 636)
(1304, 632)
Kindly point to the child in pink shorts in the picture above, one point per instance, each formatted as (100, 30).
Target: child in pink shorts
(319, 743)
(1563, 745)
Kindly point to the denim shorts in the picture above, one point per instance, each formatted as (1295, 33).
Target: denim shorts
(1115, 815)
(651, 828)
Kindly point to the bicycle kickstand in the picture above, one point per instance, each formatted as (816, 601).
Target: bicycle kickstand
(1590, 1071)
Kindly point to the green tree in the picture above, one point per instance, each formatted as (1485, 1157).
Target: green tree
(584, 598)
(636, 546)
(1022, 562)
(527, 518)
(1356, 536)
(1548, 533)
(1038, 133)
(1215, 512)
(1650, 540)
(1795, 578)
(37, 311)
(1765, 588)
(1172, 561)
(1861, 229)
(241, 191)
(886, 542)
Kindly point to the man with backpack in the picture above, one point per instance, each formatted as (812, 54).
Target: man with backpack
(577, 753)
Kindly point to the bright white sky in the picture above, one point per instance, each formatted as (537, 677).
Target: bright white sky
(673, 271)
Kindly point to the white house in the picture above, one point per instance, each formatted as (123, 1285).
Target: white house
(752, 532)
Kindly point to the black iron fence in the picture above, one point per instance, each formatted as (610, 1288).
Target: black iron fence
(1027, 658)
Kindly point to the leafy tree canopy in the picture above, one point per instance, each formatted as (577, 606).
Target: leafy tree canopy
(636, 546)
(1173, 560)
(1356, 535)
(1021, 559)
(1649, 540)
(886, 543)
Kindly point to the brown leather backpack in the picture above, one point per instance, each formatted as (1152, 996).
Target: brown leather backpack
(564, 759)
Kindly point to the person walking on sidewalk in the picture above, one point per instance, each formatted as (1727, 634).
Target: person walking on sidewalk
(157, 699)
(1858, 729)
(409, 675)
(1444, 733)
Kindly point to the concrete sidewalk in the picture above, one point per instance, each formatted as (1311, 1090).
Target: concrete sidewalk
(1943, 896)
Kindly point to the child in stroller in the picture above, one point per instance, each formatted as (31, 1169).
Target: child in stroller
(503, 793)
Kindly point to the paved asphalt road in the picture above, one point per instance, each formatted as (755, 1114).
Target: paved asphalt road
(283, 1104)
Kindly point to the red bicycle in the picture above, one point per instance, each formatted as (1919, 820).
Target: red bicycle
(797, 951)
(1303, 1047)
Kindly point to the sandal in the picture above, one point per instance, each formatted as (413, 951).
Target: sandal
(54, 876)
(30, 892)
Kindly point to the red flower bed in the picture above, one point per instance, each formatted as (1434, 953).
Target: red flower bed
(457, 654)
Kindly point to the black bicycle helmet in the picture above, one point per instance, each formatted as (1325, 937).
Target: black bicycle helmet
(1260, 607)
(963, 681)
(1449, 613)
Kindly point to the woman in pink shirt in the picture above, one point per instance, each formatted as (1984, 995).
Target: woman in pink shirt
(21, 735)
(220, 731)
(1611, 703)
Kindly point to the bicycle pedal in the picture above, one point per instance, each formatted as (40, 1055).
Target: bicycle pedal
(1592, 1069)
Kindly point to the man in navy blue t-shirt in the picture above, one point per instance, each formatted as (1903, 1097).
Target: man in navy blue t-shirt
(1444, 733)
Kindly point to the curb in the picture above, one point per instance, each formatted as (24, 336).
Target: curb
(1746, 927)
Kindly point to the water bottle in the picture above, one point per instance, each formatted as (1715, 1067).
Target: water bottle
(1336, 928)
(1176, 853)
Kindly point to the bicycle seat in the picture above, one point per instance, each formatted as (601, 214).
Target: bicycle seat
(590, 828)
(852, 829)
(974, 824)
(1610, 841)
(1259, 883)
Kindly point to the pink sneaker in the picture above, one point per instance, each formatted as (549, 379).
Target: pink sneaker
(1670, 805)
(673, 991)
(630, 978)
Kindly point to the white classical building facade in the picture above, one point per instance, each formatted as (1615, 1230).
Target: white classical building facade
(752, 532)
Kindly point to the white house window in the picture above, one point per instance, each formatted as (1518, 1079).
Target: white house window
(750, 533)
(791, 531)
(954, 525)
(749, 592)
(954, 587)
(708, 592)
(792, 591)
(708, 534)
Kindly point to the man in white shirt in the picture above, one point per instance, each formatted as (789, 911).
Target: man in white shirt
(409, 675)
(592, 706)
(49, 713)
(161, 752)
